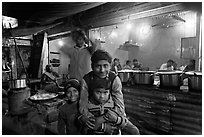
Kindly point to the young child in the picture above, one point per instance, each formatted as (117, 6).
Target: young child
(67, 118)
(113, 117)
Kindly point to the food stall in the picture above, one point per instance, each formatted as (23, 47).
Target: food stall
(157, 102)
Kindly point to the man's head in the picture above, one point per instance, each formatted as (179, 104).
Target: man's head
(101, 63)
(48, 68)
(135, 61)
(128, 62)
(72, 90)
(79, 37)
(192, 62)
(170, 63)
(116, 61)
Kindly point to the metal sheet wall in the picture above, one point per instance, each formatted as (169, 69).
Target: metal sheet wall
(164, 111)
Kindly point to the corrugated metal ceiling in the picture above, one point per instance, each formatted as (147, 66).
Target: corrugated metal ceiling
(85, 14)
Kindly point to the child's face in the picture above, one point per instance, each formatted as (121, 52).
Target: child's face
(101, 68)
(101, 95)
(72, 94)
(80, 41)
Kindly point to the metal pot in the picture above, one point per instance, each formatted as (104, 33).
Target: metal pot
(125, 75)
(194, 80)
(170, 79)
(144, 77)
(17, 83)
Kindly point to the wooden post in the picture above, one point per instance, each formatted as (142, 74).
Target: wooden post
(198, 43)
(13, 62)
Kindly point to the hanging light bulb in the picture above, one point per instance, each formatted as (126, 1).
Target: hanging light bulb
(61, 43)
(129, 26)
(113, 34)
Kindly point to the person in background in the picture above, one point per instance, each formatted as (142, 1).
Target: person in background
(101, 65)
(49, 79)
(168, 65)
(136, 65)
(175, 66)
(190, 66)
(80, 54)
(116, 65)
(68, 113)
(127, 65)
(5, 64)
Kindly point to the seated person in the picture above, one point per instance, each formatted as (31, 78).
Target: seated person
(168, 65)
(49, 80)
(116, 66)
(174, 64)
(127, 65)
(104, 120)
(5, 64)
(136, 65)
(67, 118)
(190, 66)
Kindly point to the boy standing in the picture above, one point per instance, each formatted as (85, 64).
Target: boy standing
(79, 54)
(67, 118)
(101, 64)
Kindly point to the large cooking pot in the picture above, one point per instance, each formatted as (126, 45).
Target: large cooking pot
(144, 77)
(125, 75)
(170, 78)
(17, 83)
(194, 80)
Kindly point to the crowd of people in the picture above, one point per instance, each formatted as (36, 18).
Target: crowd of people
(172, 65)
(134, 65)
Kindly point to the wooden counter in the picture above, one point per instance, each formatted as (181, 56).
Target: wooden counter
(164, 111)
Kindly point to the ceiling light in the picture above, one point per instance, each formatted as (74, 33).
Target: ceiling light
(60, 42)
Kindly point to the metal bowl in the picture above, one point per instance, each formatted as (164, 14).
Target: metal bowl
(144, 77)
(170, 79)
(125, 75)
(194, 80)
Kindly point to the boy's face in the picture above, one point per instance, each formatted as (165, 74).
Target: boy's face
(101, 95)
(101, 68)
(80, 42)
(72, 94)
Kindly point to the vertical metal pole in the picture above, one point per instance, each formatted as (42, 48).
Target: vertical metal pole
(198, 26)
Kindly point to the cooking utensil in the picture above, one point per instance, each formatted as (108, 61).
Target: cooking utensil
(194, 80)
(17, 83)
(144, 77)
(125, 75)
(170, 78)
(43, 96)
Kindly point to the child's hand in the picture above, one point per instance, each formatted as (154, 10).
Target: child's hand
(111, 116)
(98, 122)
(89, 122)
(108, 128)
